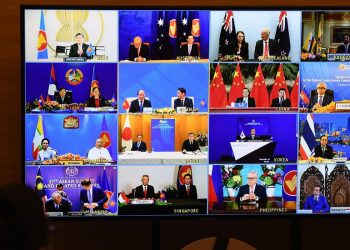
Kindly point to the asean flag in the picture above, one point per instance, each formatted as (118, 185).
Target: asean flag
(105, 136)
(289, 191)
(42, 39)
(127, 135)
(172, 28)
(183, 170)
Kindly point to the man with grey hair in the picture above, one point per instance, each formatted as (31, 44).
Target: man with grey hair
(321, 99)
(79, 48)
(57, 204)
(138, 51)
(99, 152)
(252, 191)
(266, 47)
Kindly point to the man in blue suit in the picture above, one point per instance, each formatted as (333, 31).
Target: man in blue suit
(317, 202)
(252, 191)
(92, 198)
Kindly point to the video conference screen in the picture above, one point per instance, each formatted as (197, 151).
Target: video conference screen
(187, 112)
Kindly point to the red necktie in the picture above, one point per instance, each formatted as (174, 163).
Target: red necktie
(320, 101)
(138, 51)
(188, 190)
(145, 192)
(266, 49)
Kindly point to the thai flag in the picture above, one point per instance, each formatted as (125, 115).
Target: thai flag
(215, 184)
(308, 138)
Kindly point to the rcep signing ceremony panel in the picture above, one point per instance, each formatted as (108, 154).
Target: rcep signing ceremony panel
(186, 112)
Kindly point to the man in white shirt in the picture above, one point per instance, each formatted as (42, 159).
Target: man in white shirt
(266, 47)
(99, 152)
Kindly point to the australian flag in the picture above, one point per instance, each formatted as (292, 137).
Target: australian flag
(227, 34)
(184, 29)
(282, 34)
(111, 204)
(162, 47)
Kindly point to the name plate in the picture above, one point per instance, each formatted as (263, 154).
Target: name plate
(74, 59)
(54, 214)
(340, 210)
(342, 106)
(340, 159)
(338, 57)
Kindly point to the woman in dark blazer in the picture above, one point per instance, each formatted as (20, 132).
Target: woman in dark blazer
(96, 100)
(240, 47)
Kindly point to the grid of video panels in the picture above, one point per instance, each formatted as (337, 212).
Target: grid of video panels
(162, 112)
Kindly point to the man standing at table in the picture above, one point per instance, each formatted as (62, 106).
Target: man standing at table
(317, 202)
(138, 51)
(182, 100)
(252, 191)
(137, 105)
(190, 144)
(99, 152)
(139, 145)
(188, 190)
(92, 198)
(144, 191)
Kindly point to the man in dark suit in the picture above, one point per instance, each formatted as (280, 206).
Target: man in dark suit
(317, 202)
(190, 49)
(190, 144)
(252, 191)
(252, 136)
(137, 105)
(324, 150)
(182, 100)
(266, 47)
(319, 100)
(281, 100)
(144, 191)
(62, 98)
(58, 204)
(92, 198)
(344, 48)
(188, 190)
(79, 48)
(138, 51)
(139, 145)
(246, 99)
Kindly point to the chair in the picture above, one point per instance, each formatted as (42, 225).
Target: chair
(198, 44)
(338, 186)
(130, 99)
(311, 177)
(175, 97)
(329, 92)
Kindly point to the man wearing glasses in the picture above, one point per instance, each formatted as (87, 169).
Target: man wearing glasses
(252, 191)
(319, 100)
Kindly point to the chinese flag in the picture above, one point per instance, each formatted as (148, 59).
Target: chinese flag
(295, 93)
(280, 82)
(218, 95)
(259, 91)
(237, 85)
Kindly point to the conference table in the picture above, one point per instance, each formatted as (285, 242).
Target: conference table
(158, 158)
(230, 109)
(173, 207)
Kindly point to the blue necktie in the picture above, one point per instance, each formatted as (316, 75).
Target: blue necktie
(89, 196)
(141, 107)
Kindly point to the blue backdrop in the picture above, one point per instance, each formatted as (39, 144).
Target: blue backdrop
(334, 74)
(76, 141)
(163, 135)
(52, 175)
(144, 24)
(38, 77)
(161, 81)
(224, 129)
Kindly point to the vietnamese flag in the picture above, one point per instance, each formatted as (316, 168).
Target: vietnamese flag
(280, 82)
(218, 95)
(126, 105)
(295, 93)
(237, 85)
(259, 90)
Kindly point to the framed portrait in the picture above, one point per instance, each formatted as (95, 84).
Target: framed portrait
(337, 33)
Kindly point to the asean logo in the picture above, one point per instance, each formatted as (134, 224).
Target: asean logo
(106, 138)
(74, 76)
(72, 171)
(184, 170)
(42, 41)
(290, 183)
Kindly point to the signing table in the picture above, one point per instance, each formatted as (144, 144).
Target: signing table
(136, 157)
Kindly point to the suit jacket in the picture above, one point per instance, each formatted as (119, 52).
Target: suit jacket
(273, 48)
(133, 52)
(186, 145)
(140, 194)
(244, 53)
(194, 50)
(259, 191)
(91, 102)
(64, 206)
(251, 101)
(276, 103)
(313, 100)
(142, 148)
(135, 107)
(188, 103)
(320, 206)
(328, 153)
(182, 192)
(341, 49)
(249, 138)
(66, 99)
(74, 51)
(98, 196)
